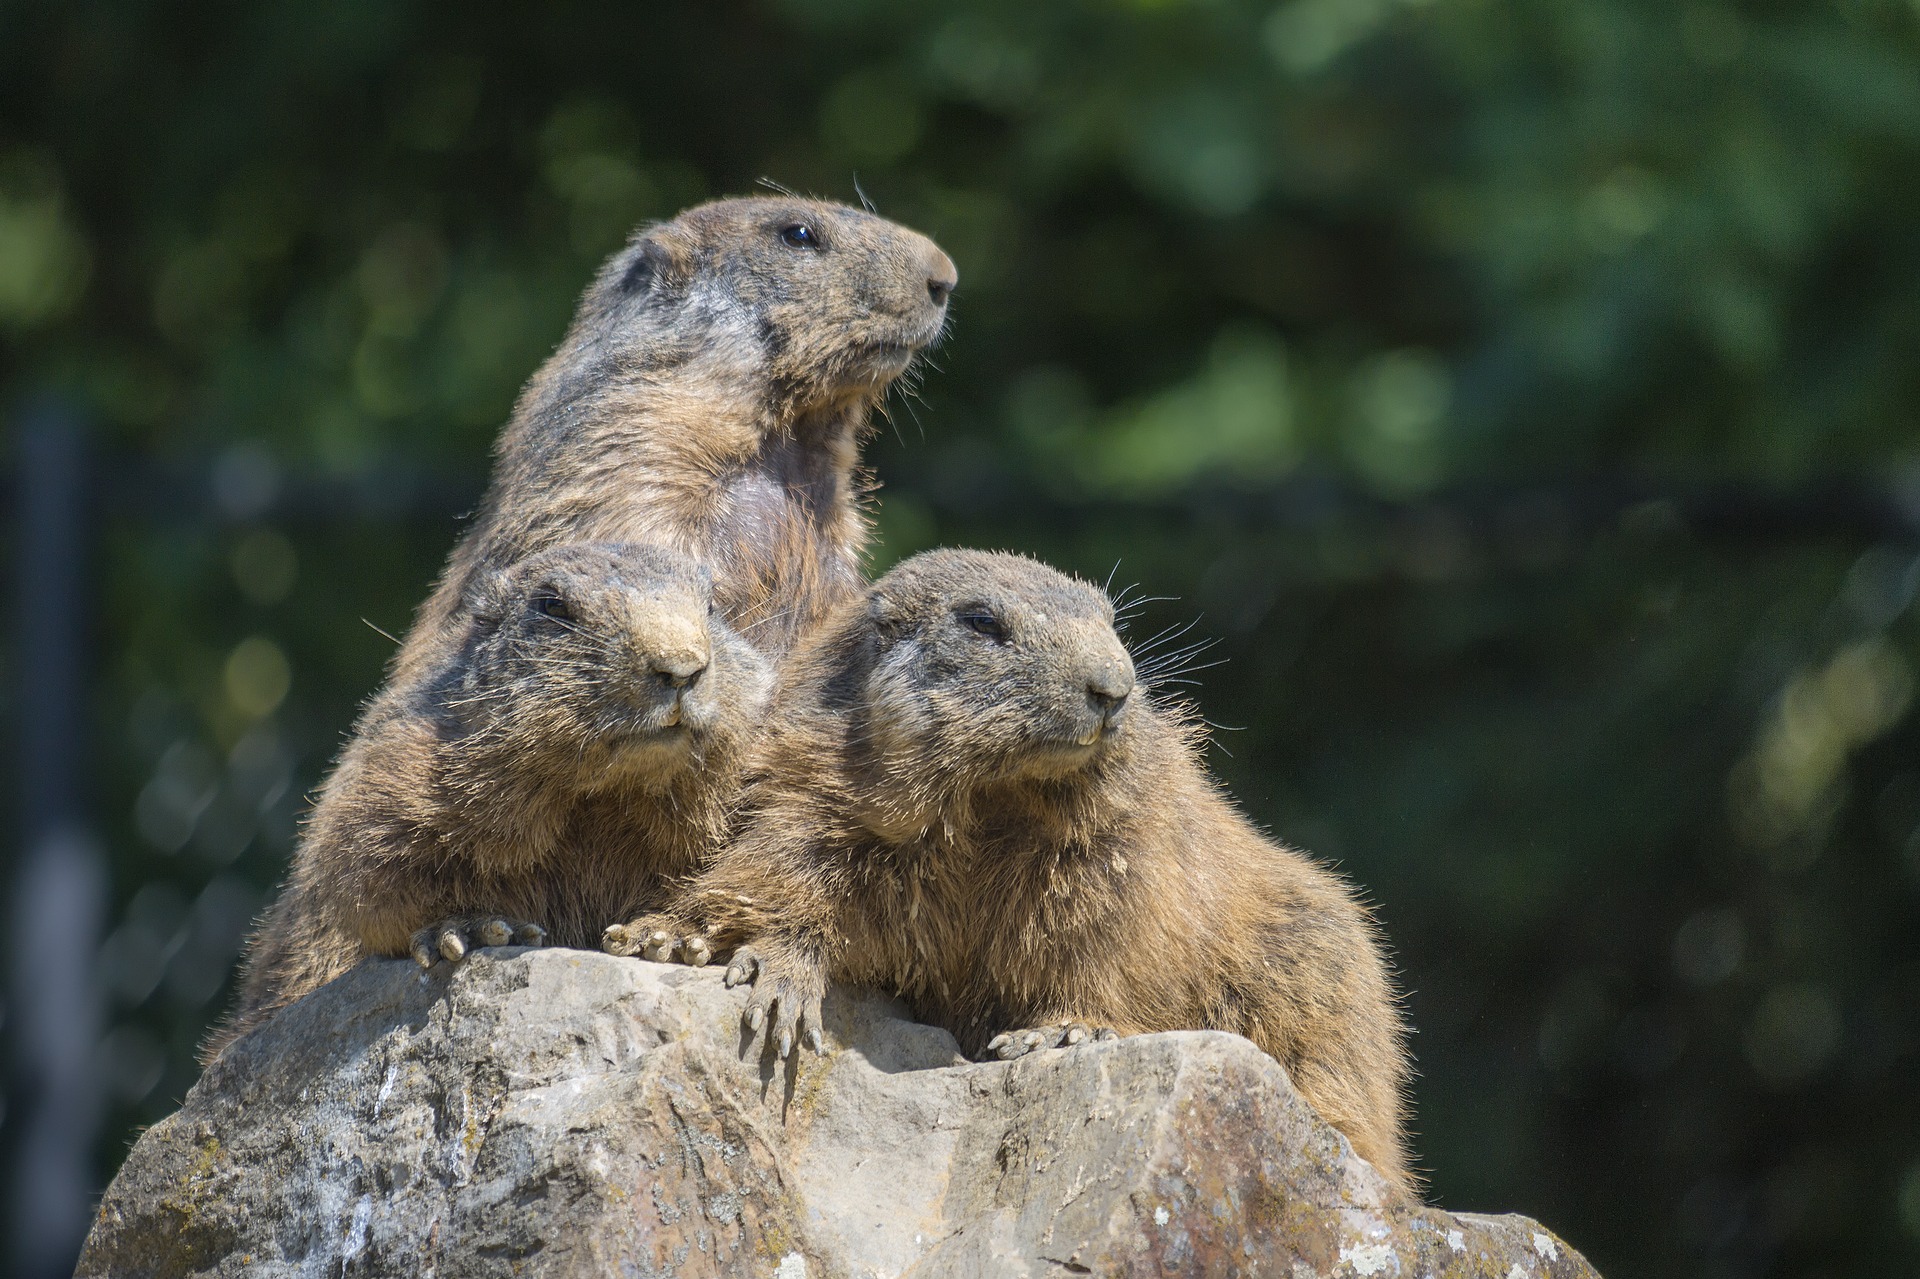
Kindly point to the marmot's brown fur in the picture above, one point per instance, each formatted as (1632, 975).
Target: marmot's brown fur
(963, 798)
(711, 395)
(581, 747)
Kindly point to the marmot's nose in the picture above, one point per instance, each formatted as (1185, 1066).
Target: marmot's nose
(679, 672)
(942, 276)
(1108, 690)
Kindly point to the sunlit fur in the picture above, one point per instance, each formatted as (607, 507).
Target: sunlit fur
(546, 771)
(927, 821)
(711, 395)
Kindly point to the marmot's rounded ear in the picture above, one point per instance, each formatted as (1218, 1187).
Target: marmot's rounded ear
(885, 615)
(662, 258)
(489, 596)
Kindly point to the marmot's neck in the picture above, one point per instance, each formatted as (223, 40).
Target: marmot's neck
(1070, 812)
(676, 823)
(1065, 814)
(509, 814)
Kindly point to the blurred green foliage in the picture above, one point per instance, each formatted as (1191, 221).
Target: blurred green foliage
(1508, 387)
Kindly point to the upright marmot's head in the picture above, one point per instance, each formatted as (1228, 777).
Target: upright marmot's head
(591, 666)
(969, 667)
(829, 303)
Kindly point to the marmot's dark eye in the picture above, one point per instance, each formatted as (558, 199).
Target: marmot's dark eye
(799, 235)
(553, 606)
(982, 623)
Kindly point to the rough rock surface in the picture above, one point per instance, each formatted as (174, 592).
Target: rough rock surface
(565, 1113)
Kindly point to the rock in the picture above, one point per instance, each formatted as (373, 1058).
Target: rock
(559, 1112)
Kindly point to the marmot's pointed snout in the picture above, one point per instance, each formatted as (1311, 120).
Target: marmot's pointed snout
(672, 649)
(1109, 682)
(1109, 694)
(680, 673)
(942, 275)
(1109, 687)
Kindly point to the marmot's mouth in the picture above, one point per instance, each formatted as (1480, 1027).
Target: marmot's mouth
(650, 741)
(904, 344)
(658, 753)
(889, 358)
(677, 733)
(1057, 757)
(927, 334)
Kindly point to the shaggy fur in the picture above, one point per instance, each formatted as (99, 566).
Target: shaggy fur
(963, 799)
(711, 395)
(581, 747)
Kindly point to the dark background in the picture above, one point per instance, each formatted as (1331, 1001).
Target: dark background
(1523, 394)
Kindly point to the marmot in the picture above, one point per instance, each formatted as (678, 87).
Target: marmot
(711, 395)
(580, 747)
(963, 797)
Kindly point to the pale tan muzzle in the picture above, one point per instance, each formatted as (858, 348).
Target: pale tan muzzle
(673, 648)
(1106, 676)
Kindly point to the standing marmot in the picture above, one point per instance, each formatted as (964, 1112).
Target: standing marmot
(581, 746)
(711, 395)
(963, 799)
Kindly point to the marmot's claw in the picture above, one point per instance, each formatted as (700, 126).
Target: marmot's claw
(650, 937)
(789, 1009)
(744, 968)
(795, 1019)
(1010, 1044)
(454, 939)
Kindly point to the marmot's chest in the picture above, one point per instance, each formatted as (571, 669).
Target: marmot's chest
(782, 554)
(967, 910)
(755, 508)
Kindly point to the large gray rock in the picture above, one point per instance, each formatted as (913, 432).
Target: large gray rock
(565, 1113)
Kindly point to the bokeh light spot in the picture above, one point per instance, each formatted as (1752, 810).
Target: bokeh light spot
(1793, 1033)
(258, 676)
(264, 565)
(44, 259)
(1709, 946)
(870, 117)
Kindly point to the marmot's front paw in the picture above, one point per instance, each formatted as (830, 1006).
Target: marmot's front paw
(451, 939)
(786, 998)
(1018, 1043)
(653, 937)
